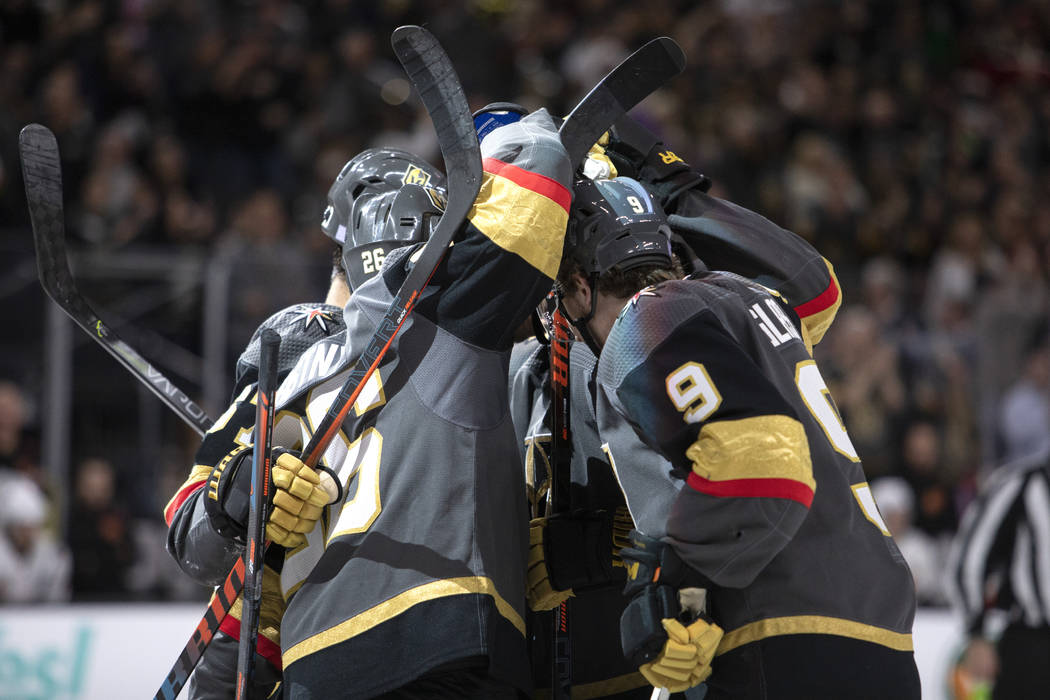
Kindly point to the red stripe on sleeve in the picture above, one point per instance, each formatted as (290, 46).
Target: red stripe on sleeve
(266, 648)
(825, 300)
(540, 184)
(753, 488)
(180, 498)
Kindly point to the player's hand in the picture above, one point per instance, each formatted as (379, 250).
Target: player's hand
(299, 498)
(539, 592)
(597, 165)
(573, 552)
(685, 660)
(637, 152)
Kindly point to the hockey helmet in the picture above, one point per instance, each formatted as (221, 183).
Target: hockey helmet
(616, 224)
(382, 199)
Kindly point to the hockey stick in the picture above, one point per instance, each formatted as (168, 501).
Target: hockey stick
(626, 85)
(269, 342)
(559, 494)
(42, 172)
(635, 78)
(436, 82)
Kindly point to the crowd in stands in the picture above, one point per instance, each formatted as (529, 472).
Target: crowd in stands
(908, 141)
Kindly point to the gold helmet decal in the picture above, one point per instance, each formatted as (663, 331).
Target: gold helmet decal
(416, 176)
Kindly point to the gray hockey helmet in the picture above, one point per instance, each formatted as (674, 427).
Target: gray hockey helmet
(616, 224)
(382, 199)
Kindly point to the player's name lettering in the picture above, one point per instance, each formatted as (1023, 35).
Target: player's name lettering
(318, 360)
(774, 322)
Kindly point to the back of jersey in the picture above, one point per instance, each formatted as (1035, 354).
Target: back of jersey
(776, 515)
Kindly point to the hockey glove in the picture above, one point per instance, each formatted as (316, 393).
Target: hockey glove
(597, 165)
(299, 496)
(637, 152)
(672, 645)
(574, 552)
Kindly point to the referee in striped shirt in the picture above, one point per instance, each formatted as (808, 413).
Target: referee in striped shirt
(1001, 560)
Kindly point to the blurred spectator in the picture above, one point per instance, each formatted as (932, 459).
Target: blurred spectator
(1024, 413)
(99, 535)
(18, 451)
(921, 468)
(861, 369)
(119, 205)
(896, 503)
(1010, 314)
(34, 567)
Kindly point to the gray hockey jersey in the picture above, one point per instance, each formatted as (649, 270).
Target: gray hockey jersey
(423, 563)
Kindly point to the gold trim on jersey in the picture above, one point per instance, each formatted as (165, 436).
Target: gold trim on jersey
(818, 323)
(761, 447)
(600, 689)
(521, 221)
(814, 624)
(362, 622)
(198, 475)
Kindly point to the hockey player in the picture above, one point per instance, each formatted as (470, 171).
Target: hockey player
(205, 544)
(412, 585)
(194, 541)
(766, 505)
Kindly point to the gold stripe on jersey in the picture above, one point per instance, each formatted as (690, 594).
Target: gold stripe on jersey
(814, 624)
(600, 689)
(362, 622)
(198, 475)
(817, 314)
(521, 221)
(761, 447)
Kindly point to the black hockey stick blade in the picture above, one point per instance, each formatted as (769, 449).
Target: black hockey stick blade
(436, 82)
(626, 85)
(269, 344)
(42, 172)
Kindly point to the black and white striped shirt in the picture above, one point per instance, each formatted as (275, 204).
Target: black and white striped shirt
(1001, 554)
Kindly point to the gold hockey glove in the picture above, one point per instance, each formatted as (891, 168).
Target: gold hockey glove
(597, 165)
(685, 660)
(663, 629)
(299, 498)
(574, 552)
(538, 590)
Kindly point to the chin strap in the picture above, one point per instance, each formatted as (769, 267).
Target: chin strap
(580, 324)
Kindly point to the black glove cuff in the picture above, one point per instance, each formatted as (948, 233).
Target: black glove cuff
(578, 550)
(637, 152)
(228, 494)
(642, 634)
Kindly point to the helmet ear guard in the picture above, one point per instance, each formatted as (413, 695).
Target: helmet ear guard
(380, 223)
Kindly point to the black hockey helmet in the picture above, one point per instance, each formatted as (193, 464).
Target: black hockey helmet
(616, 224)
(382, 199)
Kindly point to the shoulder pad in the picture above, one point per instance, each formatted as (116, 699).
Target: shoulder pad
(299, 326)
